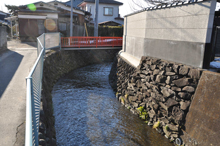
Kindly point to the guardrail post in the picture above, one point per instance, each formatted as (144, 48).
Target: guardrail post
(44, 41)
(35, 129)
(113, 41)
(60, 41)
(28, 126)
(96, 41)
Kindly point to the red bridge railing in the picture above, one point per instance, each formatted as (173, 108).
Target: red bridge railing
(78, 42)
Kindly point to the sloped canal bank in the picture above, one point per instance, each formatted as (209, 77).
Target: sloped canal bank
(87, 112)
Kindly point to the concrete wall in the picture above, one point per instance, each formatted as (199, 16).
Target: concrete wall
(3, 38)
(179, 33)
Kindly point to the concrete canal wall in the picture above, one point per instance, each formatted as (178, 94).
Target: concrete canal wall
(56, 65)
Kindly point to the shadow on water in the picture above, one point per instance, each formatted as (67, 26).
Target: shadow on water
(9, 63)
(87, 113)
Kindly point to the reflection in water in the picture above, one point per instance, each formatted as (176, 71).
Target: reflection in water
(87, 113)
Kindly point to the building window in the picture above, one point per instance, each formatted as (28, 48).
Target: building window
(62, 26)
(108, 11)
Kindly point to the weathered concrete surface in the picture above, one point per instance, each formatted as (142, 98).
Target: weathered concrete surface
(15, 65)
(202, 121)
(171, 32)
(3, 38)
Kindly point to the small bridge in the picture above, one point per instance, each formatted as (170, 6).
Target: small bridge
(74, 43)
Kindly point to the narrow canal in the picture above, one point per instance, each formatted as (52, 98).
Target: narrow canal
(87, 113)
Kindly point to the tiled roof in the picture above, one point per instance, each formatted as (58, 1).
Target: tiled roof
(105, 2)
(4, 12)
(75, 3)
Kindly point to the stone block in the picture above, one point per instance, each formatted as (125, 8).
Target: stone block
(188, 89)
(170, 73)
(173, 127)
(170, 102)
(195, 73)
(184, 105)
(181, 82)
(183, 70)
(156, 72)
(132, 98)
(176, 89)
(184, 95)
(167, 92)
(168, 80)
(160, 79)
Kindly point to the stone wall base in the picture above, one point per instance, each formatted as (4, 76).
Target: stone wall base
(159, 92)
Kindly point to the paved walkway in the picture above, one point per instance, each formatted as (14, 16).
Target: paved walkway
(15, 64)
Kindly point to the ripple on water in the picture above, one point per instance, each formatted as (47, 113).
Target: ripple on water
(87, 113)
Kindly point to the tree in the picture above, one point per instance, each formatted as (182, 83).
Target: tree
(12, 9)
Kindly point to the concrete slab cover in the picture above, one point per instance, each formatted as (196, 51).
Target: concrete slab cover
(202, 121)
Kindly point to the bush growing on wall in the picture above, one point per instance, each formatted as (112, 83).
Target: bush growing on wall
(116, 31)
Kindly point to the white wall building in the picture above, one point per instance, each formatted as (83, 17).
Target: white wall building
(108, 11)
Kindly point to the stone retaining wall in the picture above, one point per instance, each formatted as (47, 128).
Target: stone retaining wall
(56, 65)
(159, 91)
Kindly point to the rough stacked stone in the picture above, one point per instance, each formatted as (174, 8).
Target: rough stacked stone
(164, 89)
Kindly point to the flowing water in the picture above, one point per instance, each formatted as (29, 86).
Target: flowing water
(87, 113)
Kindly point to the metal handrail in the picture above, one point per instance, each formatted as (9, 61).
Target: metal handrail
(79, 42)
(35, 64)
(33, 95)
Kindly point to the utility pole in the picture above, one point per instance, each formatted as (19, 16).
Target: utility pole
(96, 17)
(71, 19)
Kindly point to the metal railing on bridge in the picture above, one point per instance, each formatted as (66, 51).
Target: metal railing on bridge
(34, 85)
(78, 42)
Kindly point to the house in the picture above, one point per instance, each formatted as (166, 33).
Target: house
(40, 17)
(75, 3)
(108, 11)
(4, 15)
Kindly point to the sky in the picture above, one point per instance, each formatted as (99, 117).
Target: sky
(124, 9)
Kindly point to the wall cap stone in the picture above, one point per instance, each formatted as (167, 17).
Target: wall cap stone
(166, 6)
(130, 59)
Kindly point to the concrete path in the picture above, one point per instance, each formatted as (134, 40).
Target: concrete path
(15, 64)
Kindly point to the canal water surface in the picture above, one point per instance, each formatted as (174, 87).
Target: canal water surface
(87, 113)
